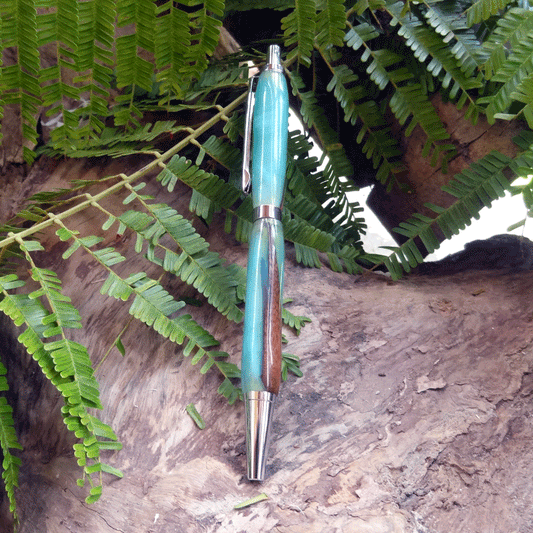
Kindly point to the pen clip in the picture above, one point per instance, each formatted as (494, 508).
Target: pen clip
(246, 156)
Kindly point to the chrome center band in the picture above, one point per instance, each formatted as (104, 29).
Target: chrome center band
(266, 211)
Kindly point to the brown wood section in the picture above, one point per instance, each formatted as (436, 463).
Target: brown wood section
(271, 374)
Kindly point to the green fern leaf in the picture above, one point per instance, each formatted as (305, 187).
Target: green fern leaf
(510, 30)
(195, 265)
(412, 101)
(482, 10)
(337, 164)
(205, 40)
(65, 363)
(225, 154)
(185, 40)
(516, 69)
(21, 80)
(227, 73)
(229, 391)
(171, 42)
(60, 28)
(474, 188)
(293, 321)
(290, 363)
(330, 23)
(299, 29)
(153, 305)
(95, 57)
(524, 94)
(361, 6)
(447, 21)
(8, 442)
(133, 71)
(375, 135)
(426, 43)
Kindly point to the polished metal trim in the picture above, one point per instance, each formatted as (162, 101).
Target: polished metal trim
(247, 148)
(259, 406)
(266, 211)
(274, 58)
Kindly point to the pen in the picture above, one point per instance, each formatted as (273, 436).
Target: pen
(266, 129)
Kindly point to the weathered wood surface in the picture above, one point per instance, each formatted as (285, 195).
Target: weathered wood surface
(413, 414)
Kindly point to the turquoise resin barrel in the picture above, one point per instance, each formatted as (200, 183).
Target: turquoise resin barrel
(266, 252)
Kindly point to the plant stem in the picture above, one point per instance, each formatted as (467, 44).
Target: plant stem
(129, 179)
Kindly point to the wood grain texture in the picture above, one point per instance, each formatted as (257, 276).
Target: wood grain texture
(271, 374)
(413, 414)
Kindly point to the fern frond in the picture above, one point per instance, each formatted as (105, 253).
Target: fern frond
(411, 101)
(290, 363)
(330, 23)
(171, 42)
(71, 360)
(337, 166)
(132, 69)
(95, 57)
(185, 40)
(299, 28)
(317, 183)
(205, 40)
(115, 143)
(313, 115)
(524, 94)
(66, 364)
(61, 29)
(426, 43)
(446, 20)
(152, 304)
(8, 442)
(195, 265)
(295, 322)
(378, 142)
(224, 153)
(482, 10)
(361, 6)
(474, 188)
(517, 68)
(510, 30)
(21, 80)
(222, 75)
(310, 239)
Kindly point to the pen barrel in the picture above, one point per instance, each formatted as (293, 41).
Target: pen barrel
(270, 131)
(261, 355)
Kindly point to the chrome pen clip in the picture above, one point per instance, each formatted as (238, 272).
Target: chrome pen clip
(247, 154)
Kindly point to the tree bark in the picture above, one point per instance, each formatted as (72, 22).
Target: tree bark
(412, 415)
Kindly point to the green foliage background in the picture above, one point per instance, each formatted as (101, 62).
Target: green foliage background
(118, 64)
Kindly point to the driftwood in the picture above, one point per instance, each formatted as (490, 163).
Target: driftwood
(413, 414)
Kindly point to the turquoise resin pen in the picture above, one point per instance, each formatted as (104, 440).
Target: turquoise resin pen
(268, 110)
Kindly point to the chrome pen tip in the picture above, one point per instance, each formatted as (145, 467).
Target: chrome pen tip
(259, 406)
(274, 58)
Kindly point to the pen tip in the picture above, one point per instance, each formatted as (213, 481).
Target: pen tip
(274, 56)
(259, 406)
